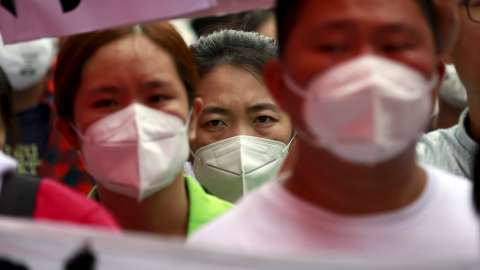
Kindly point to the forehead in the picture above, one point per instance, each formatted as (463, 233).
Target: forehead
(228, 85)
(131, 53)
(312, 13)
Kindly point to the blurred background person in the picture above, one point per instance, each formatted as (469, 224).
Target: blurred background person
(454, 149)
(36, 197)
(124, 99)
(261, 21)
(39, 147)
(240, 117)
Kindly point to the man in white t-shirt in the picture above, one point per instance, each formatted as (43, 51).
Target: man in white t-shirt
(357, 78)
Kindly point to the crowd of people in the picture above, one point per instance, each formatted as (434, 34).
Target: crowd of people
(312, 129)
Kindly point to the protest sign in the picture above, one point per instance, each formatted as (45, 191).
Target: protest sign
(26, 20)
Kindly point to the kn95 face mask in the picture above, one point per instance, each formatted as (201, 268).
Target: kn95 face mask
(235, 166)
(135, 151)
(367, 110)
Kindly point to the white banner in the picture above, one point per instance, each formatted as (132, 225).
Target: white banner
(22, 20)
(51, 246)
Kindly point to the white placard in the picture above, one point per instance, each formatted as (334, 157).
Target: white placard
(48, 246)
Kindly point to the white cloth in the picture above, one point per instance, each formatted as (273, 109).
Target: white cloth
(441, 223)
(7, 164)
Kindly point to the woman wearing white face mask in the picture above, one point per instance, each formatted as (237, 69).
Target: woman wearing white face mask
(243, 137)
(123, 99)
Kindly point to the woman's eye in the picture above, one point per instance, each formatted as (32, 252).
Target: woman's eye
(263, 119)
(215, 123)
(157, 98)
(105, 103)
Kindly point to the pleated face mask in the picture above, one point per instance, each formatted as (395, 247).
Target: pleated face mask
(135, 151)
(235, 166)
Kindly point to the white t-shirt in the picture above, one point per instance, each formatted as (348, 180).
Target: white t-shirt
(441, 223)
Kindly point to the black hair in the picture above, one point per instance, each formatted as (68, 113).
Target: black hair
(6, 106)
(247, 50)
(287, 12)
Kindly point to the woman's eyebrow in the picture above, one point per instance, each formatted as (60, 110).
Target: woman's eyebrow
(262, 107)
(103, 89)
(215, 110)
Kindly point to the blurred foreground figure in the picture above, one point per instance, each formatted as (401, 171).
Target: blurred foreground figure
(358, 78)
(454, 149)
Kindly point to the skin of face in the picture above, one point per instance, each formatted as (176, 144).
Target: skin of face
(129, 70)
(236, 102)
(466, 54)
(328, 33)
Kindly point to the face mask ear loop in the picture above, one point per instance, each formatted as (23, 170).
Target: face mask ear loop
(285, 150)
(193, 154)
(293, 86)
(187, 125)
(79, 134)
(433, 81)
(189, 118)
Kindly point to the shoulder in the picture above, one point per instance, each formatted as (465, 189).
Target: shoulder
(438, 137)
(432, 146)
(198, 196)
(203, 207)
(56, 201)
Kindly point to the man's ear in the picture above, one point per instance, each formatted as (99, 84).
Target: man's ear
(272, 75)
(63, 125)
(192, 128)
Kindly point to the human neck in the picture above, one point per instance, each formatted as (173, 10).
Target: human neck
(474, 115)
(28, 99)
(166, 212)
(325, 181)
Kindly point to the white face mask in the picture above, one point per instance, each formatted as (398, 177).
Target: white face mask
(237, 165)
(27, 63)
(135, 151)
(367, 110)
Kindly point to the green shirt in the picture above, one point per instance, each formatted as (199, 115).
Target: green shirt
(203, 207)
